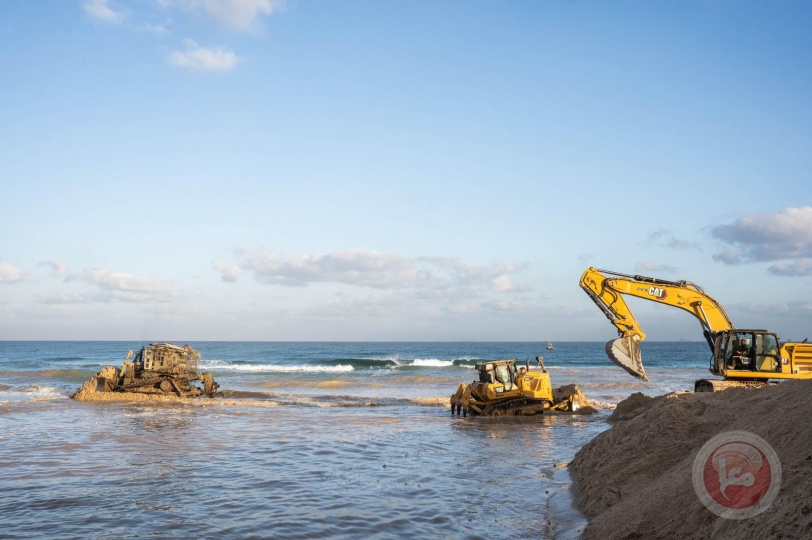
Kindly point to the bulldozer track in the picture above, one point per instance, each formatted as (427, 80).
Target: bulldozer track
(514, 407)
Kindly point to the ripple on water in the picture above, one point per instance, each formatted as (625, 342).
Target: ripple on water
(121, 470)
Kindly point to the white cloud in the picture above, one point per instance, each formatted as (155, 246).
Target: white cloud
(240, 15)
(102, 11)
(767, 237)
(676, 243)
(202, 59)
(666, 238)
(228, 273)
(504, 284)
(157, 29)
(123, 287)
(467, 273)
(67, 298)
(504, 306)
(428, 277)
(11, 274)
(729, 256)
(789, 319)
(58, 268)
(659, 235)
(801, 267)
(237, 15)
(368, 269)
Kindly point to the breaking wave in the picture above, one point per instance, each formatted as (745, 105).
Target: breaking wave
(366, 363)
(34, 392)
(339, 365)
(432, 362)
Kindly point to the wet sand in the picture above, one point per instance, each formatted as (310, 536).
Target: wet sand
(635, 480)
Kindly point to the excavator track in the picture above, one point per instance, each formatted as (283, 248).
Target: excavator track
(717, 385)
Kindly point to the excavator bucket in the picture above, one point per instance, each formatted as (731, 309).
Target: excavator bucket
(625, 352)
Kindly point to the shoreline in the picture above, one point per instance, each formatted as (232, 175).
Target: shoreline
(635, 479)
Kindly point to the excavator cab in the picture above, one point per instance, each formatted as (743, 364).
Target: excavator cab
(746, 351)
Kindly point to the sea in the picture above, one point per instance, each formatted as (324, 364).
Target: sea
(313, 440)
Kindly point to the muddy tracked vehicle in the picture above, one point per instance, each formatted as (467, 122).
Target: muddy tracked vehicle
(504, 390)
(159, 369)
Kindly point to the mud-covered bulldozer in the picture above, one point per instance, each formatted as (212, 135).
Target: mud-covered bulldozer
(159, 369)
(503, 389)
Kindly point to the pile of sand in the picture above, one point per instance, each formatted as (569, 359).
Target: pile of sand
(125, 396)
(89, 390)
(562, 393)
(635, 480)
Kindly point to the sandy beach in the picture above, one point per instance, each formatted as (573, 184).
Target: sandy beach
(635, 479)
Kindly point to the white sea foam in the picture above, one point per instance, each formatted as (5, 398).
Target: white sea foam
(432, 362)
(600, 404)
(42, 393)
(211, 364)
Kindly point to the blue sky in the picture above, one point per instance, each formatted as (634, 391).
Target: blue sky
(400, 170)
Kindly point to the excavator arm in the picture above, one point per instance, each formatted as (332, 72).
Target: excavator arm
(607, 288)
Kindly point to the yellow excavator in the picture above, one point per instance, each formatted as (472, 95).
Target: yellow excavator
(742, 357)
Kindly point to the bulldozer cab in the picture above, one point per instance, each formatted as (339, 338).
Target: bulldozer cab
(746, 350)
(500, 371)
(168, 359)
(165, 368)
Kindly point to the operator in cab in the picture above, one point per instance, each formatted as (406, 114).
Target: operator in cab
(740, 356)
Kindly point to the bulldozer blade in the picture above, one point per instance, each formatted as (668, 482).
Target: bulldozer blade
(105, 385)
(625, 352)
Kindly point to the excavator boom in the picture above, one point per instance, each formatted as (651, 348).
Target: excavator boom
(606, 288)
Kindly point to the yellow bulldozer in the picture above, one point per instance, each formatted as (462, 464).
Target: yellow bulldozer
(503, 389)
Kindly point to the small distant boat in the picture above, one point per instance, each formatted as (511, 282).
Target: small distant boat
(550, 346)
